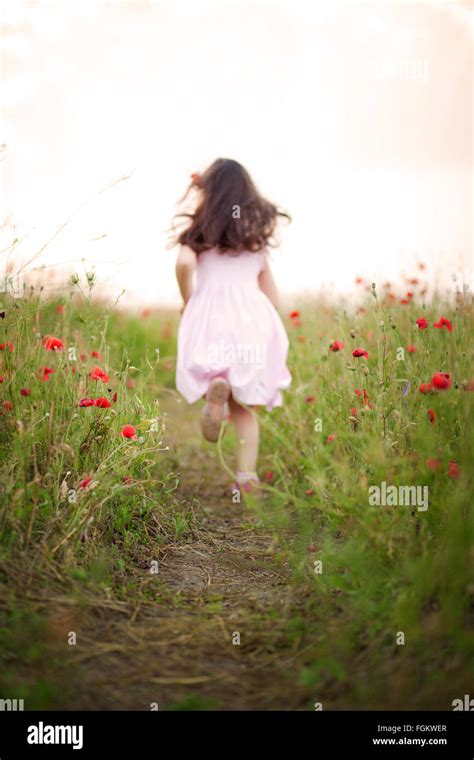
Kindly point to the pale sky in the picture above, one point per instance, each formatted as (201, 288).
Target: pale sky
(355, 117)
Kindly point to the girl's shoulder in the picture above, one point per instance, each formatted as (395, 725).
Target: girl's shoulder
(186, 256)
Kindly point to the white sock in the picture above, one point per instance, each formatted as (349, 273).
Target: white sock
(244, 477)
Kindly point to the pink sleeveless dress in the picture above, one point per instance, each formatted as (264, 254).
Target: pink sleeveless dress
(230, 329)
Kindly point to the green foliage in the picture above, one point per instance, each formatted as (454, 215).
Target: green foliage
(385, 569)
(72, 481)
(81, 503)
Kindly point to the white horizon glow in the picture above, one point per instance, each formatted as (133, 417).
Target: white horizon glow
(356, 118)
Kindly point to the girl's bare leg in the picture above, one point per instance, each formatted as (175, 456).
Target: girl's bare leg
(247, 429)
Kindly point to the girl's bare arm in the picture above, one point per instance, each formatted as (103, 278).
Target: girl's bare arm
(267, 283)
(185, 268)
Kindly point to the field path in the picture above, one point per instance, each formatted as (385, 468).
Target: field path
(221, 583)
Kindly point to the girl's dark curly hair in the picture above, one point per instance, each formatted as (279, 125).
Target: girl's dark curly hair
(230, 214)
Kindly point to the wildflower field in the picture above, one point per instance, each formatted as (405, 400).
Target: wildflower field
(131, 575)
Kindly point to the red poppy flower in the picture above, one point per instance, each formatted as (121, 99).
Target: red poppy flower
(336, 345)
(4, 346)
(52, 344)
(422, 323)
(8, 406)
(409, 294)
(268, 476)
(454, 471)
(443, 322)
(358, 392)
(354, 411)
(413, 281)
(126, 479)
(358, 352)
(433, 464)
(294, 314)
(404, 300)
(425, 388)
(166, 331)
(411, 349)
(84, 483)
(359, 280)
(60, 308)
(309, 492)
(44, 372)
(441, 381)
(103, 402)
(2, 378)
(83, 357)
(330, 438)
(309, 399)
(301, 338)
(98, 374)
(87, 402)
(25, 392)
(128, 431)
(432, 416)
(114, 397)
(96, 354)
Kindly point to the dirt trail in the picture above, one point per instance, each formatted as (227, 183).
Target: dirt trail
(222, 582)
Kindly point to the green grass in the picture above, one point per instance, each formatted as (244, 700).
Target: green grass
(385, 570)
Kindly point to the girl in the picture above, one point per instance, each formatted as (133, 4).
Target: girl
(232, 345)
